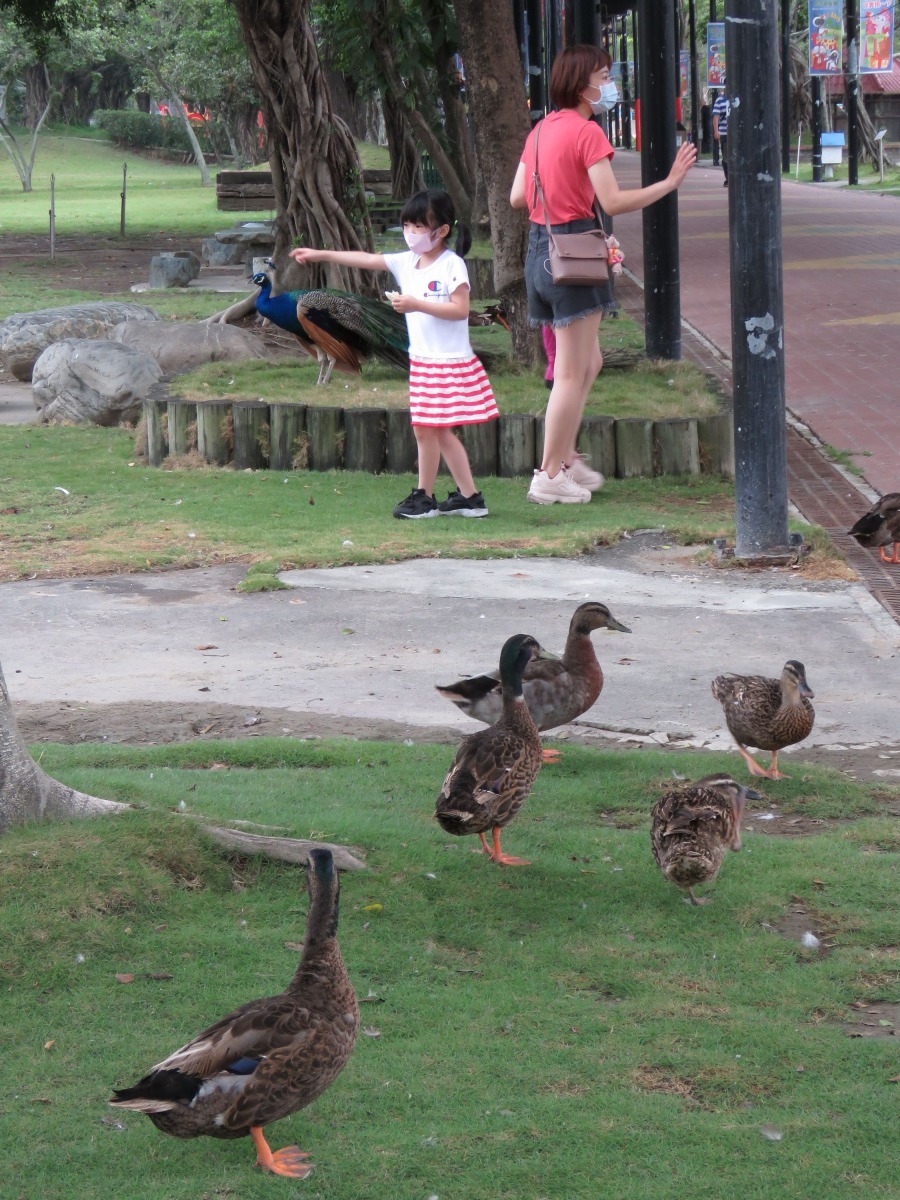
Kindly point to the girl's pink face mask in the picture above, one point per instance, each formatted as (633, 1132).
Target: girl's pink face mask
(420, 243)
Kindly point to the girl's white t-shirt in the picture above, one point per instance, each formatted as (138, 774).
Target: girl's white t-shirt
(430, 337)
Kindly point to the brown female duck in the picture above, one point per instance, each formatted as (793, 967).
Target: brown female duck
(268, 1058)
(767, 713)
(495, 768)
(557, 690)
(881, 526)
(692, 827)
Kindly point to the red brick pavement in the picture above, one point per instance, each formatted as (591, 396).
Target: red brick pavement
(841, 298)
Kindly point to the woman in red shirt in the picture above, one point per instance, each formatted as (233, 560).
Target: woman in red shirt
(575, 165)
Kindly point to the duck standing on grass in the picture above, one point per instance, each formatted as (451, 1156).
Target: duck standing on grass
(557, 690)
(495, 769)
(767, 713)
(692, 827)
(268, 1058)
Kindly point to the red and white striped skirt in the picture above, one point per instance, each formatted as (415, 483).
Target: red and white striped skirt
(450, 391)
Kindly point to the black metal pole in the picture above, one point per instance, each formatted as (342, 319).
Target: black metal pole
(695, 81)
(786, 86)
(757, 302)
(658, 62)
(816, 128)
(626, 95)
(852, 77)
(712, 10)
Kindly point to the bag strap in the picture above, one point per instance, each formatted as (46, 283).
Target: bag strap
(598, 212)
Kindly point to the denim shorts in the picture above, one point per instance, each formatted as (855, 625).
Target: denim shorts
(559, 304)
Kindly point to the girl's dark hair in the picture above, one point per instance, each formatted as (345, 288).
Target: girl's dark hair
(572, 71)
(434, 209)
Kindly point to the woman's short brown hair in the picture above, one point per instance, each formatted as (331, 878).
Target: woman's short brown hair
(572, 71)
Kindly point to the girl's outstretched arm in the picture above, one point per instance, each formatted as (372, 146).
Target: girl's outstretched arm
(357, 259)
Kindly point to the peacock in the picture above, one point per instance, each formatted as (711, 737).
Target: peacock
(338, 328)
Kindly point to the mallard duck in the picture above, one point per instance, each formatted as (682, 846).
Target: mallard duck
(557, 689)
(268, 1058)
(693, 825)
(767, 713)
(495, 768)
(881, 526)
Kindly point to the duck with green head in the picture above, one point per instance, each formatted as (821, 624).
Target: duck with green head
(495, 768)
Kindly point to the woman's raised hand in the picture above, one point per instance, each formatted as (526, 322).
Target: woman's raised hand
(684, 160)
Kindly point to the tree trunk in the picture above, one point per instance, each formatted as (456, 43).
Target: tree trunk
(450, 90)
(181, 112)
(37, 94)
(26, 792)
(406, 163)
(500, 122)
(315, 167)
(24, 166)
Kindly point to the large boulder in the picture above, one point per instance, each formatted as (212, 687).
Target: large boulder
(96, 382)
(183, 345)
(24, 336)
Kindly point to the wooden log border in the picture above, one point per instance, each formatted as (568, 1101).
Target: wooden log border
(297, 437)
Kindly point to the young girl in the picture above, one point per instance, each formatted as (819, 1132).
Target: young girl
(447, 383)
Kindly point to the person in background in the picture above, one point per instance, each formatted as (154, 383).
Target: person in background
(575, 166)
(447, 383)
(720, 110)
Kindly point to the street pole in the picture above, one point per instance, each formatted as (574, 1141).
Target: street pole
(658, 61)
(626, 94)
(816, 128)
(695, 82)
(852, 92)
(757, 303)
(785, 86)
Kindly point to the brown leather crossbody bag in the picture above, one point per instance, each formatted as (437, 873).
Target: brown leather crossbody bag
(579, 258)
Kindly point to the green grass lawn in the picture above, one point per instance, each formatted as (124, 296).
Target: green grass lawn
(571, 1030)
(116, 515)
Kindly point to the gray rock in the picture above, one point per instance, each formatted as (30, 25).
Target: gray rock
(221, 254)
(192, 258)
(250, 233)
(183, 345)
(24, 336)
(92, 382)
(171, 270)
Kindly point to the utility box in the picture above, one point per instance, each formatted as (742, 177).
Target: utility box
(832, 149)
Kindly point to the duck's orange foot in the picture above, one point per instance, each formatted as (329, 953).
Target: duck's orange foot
(550, 756)
(883, 554)
(289, 1162)
(510, 860)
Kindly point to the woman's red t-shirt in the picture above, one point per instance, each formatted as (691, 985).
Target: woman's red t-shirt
(569, 144)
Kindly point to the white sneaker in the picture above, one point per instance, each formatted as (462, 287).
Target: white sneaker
(583, 475)
(561, 489)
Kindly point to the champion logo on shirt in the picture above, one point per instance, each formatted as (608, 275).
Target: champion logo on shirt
(434, 285)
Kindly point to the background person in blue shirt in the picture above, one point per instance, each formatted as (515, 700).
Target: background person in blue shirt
(720, 110)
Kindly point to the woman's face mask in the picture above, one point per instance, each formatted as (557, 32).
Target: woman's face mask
(608, 98)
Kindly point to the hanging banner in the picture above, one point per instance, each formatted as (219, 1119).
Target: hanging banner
(876, 36)
(715, 54)
(684, 61)
(826, 35)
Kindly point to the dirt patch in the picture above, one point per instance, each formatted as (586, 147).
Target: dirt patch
(802, 924)
(878, 1019)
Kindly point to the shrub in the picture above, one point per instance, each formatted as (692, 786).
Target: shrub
(148, 131)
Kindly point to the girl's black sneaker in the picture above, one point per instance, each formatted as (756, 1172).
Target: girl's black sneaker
(458, 505)
(417, 504)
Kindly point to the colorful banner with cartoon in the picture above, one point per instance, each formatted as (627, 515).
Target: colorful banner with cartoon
(715, 54)
(826, 34)
(684, 64)
(876, 36)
